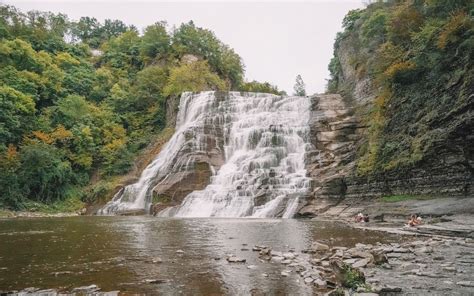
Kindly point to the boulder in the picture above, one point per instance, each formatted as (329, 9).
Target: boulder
(319, 247)
(86, 289)
(156, 260)
(285, 273)
(379, 258)
(155, 281)
(289, 255)
(361, 263)
(465, 283)
(234, 259)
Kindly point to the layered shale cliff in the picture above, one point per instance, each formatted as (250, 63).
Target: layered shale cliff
(411, 92)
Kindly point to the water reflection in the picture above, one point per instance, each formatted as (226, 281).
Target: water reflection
(117, 253)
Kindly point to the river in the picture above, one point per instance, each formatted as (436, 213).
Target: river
(121, 253)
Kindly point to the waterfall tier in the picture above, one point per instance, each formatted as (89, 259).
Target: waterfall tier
(254, 145)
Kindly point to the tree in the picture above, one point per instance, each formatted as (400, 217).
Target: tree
(299, 87)
(15, 108)
(155, 42)
(189, 39)
(265, 87)
(44, 174)
(196, 76)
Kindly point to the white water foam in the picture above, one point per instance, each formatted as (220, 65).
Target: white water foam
(265, 141)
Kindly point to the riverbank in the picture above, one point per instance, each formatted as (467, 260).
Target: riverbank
(447, 216)
(5, 214)
(436, 259)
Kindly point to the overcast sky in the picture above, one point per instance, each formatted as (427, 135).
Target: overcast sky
(277, 40)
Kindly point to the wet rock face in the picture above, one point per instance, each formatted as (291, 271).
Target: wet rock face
(334, 134)
(196, 174)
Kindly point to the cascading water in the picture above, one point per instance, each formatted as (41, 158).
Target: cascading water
(265, 139)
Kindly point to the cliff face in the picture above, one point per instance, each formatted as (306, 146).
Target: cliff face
(446, 163)
(412, 96)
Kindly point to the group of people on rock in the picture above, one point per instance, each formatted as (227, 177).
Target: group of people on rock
(415, 220)
(362, 218)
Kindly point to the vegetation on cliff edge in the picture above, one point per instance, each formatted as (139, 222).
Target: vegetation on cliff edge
(418, 56)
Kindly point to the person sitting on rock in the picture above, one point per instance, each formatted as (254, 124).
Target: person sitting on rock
(414, 220)
(418, 220)
(359, 217)
(366, 218)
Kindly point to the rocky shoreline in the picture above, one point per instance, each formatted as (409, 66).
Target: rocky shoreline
(433, 266)
(13, 214)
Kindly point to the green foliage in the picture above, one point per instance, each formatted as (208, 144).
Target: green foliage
(93, 33)
(194, 77)
(69, 114)
(351, 17)
(11, 194)
(404, 20)
(418, 57)
(123, 52)
(45, 174)
(375, 26)
(189, 39)
(334, 70)
(397, 198)
(15, 108)
(352, 278)
(265, 87)
(100, 191)
(155, 42)
(71, 203)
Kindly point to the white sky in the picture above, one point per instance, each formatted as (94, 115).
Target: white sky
(277, 40)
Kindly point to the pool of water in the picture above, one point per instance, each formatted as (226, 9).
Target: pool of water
(117, 253)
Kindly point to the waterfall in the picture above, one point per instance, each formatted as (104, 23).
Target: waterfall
(265, 138)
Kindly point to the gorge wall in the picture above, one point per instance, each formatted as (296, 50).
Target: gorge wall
(412, 91)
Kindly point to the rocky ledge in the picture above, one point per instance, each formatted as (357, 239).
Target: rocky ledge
(435, 266)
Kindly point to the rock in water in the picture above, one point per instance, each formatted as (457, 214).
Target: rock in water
(466, 283)
(86, 289)
(156, 260)
(234, 259)
(319, 247)
(361, 263)
(155, 281)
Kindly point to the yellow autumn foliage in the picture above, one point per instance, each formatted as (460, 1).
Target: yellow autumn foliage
(398, 68)
(458, 21)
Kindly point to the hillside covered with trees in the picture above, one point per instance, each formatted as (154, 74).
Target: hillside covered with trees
(80, 99)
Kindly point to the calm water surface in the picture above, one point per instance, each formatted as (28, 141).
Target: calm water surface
(116, 253)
